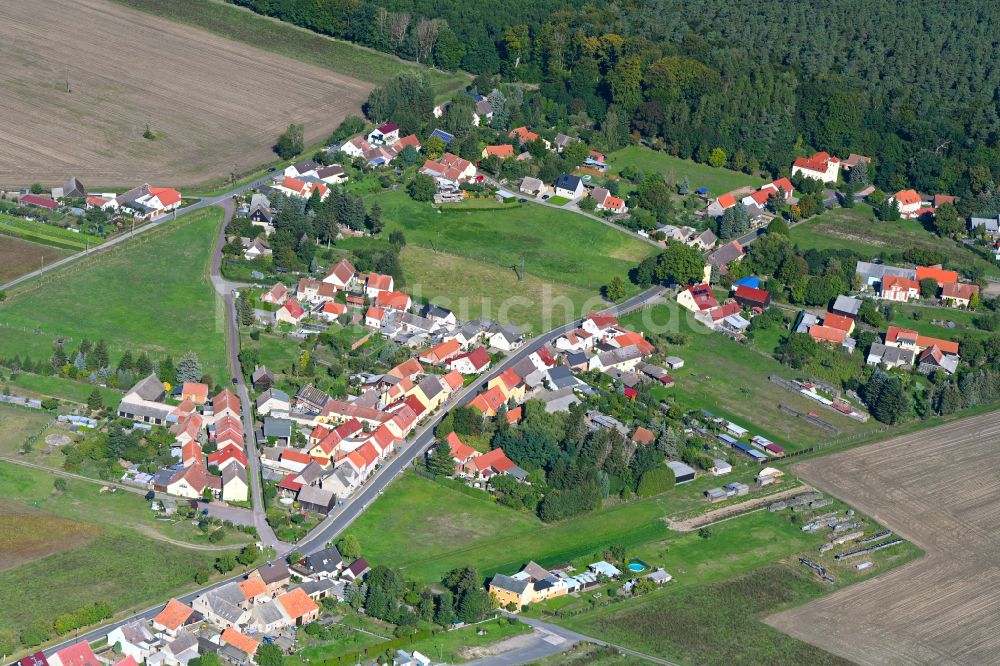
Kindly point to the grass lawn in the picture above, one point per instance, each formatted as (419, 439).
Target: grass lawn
(454, 647)
(573, 255)
(857, 229)
(152, 294)
(17, 424)
(242, 25)
(731, 380)
(96, 555)
(64, 389)
(558, 201)
(931, 321)
(458, 530)
(718, 181)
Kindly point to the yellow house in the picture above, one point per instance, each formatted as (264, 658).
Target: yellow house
(431, 392)
(508, 590)
(510, 384)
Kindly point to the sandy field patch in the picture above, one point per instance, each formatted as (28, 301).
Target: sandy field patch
(214, 105)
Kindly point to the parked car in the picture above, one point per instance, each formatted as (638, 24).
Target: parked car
(235, 381)
(271, 169)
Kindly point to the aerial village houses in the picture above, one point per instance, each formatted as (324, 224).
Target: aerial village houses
(821, 166)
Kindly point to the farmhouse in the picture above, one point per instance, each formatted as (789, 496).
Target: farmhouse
(899, 289)
(750, 297)
(290, 312)
(145, 201)
(533, 186)
(821, 166)
(384, 134)
(302, 189)
(503, 151)
(908, 202)
(449, 171)
(726, 255)
(959, 295)
(697, 298)
(341, 275)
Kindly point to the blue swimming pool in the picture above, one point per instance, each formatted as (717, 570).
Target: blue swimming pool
(635, 566)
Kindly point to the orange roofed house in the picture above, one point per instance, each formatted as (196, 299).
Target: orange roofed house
(821, 166)
(908, 202)
(899, 289)
(298, 606)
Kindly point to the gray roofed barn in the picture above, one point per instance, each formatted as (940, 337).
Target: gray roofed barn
(277, 427)
(150, 388)
(991, 225)
(846, 305)
(315, 499)
(872, 272)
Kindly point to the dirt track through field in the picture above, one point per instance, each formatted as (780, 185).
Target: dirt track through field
(214, 104)
(939, 488)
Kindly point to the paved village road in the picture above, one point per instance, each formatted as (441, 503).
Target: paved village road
(264, 531)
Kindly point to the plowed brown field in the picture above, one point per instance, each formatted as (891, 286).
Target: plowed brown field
(939, 488)
(213, 104)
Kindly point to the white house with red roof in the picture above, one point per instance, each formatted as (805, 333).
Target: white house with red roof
(599, 324)
(376, 283)
(331, 310)
(374, 317)
(393, 300)
(450, 170)
(471, 363)
(782, 184)
(697, 298)
(290, 312)
(341, 275)
(77, 654)
(277, 294)
(909, 203)
(821, 166)
(302, 189)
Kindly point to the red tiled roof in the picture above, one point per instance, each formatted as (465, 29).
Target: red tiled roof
(727, 201)
(413, 402)
(941, 199)
(173, 615)
(785, 185)
(78, 654)
(379, 282)
(514, 415)
(459, 450)
(253, 586)
(489, 402)
(297, 603)
(228, 452)
(196, 391)
(704, 299)
(643, 436)
(407, 368)
(833, 320)
(760, 197)
(240, 641)
(479, 358)
(495, 459)
(375, 313)
(523, 134)
(291, 482)
(226, 400)
(343, 271)
(827, 334)
(510, 378)
(293, 308)
(168, 196)
(34, 200)
(503, 150)
(752, 294)
(894, 282)
(602, 321)
(818, 162)
(723, 311)
(454, 380)
(938, 274)
(959, 290)
(388, 127)
(333, 308)
(924, 341)
(392, 300)
(633, 338)
(296, 456)
(443, 351)
(907, 197)
(408, 140)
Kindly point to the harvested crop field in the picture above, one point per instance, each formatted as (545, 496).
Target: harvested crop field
(18, 257)
(213, 104)
(940, 489)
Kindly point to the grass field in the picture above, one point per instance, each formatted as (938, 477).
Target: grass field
(18, 256)
(47, 234)
(64, 389)
(242, 25)
(164, 76)
(152, 294)
(97, 555)
(731, 380)
(718, 181)
(458, 530)
(454, 647)
(16, 425)
(475, 254)
(856, 229)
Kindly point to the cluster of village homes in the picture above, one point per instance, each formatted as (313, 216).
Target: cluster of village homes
(271, 604)
(142, 202)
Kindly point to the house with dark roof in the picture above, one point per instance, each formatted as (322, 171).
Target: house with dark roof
(568, 186)
(726, 255)
(325, 563)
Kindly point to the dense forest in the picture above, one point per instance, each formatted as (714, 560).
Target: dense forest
(912, 83)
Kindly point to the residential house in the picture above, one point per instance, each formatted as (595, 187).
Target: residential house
(899, 289)
(224, 606)
(332, 175)
(933, 359)
(533, 186)
(492, 463)
(568, 186)
(325, 563)
(77, 654)
(145, 201)
(261, 214)
(524, 135)
(853, 160)
(331, 311)
(302, 169)
(505, 337)
(959, 295)
(177, 652)
(356, 570)
(561, 141)
(834, 320)
(503, 151)
(442, 353)
(277, 294)
(890, 357)
(511, 591)
(907, 339)
(831, 336)
(341, 275)
(848, 306)
(230, 454)
(443, 316)
(393, 300)
(240, 641)
(821, 166)
(374, 317)
(449, 171)
(235, 486)
(144, 402)
(172, 618)
(225, 403)
(489, 401)
(471, 363)
(134, 639)
(782, 185)
(872, 274)
(908, 202)
(386, 134)
(719, 206)
(255, 248)
(726, 255)
(697, 298)
(461, 453)
(606, 201)
(376, 283)
(72, 189)
(192, 482)
(624, 359)
(290, 312)
(302, 189)
(988, 226)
